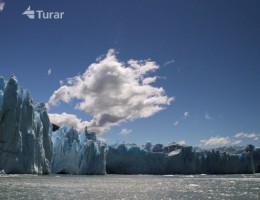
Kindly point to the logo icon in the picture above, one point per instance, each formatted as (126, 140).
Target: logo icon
(29, 13)
(40, 14)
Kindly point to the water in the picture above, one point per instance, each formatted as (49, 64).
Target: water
(130, 187)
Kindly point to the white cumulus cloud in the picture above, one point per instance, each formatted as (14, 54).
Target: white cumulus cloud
(69, 120)
(113, 92)
(149, 80)
(125, 131)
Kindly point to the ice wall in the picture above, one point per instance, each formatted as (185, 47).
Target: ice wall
(256, 156)
(25, 144)
(176, 159)
(75, 153)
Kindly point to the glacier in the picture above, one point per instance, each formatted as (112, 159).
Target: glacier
(30, 144)
(77, 153)
(179, 159)
(25, 144)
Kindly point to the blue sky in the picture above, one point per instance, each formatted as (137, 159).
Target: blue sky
(207, 53)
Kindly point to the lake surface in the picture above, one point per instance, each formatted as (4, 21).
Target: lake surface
(130, 187)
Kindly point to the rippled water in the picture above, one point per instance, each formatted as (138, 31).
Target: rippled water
(130, 187)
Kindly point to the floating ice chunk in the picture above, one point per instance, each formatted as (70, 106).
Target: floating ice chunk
(193, 185)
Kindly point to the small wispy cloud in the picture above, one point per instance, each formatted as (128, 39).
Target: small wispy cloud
(186, 114)
(206, 115)
(176, 123)
(49, 72)
(169, 62)
(183, 117)
(2, 5)
(61, 82)
(237, 142)
(181, 142)
(125, 132)
(253, 136)
(213, 141)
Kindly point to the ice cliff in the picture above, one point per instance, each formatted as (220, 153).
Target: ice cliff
(75, 153)
(256, 156)
(25, 144)
(178, 159)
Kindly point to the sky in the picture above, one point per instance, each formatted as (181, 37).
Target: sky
(135, 71)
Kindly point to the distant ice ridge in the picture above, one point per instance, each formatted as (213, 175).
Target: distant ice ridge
(178, 159)
(25, 144)
(75, 153)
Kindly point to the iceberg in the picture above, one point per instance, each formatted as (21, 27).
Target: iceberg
(25, 144)
(179, 159)
(77, 153)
